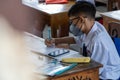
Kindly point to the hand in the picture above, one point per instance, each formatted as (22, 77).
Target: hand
(49, 42)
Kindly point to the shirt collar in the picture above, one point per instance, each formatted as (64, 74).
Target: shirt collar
(89, 36)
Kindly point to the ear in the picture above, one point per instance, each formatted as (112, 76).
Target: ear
(82, 20)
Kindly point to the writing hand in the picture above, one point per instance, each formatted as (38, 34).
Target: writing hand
(49, 42)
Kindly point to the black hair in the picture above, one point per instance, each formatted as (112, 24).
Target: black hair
(84, 7)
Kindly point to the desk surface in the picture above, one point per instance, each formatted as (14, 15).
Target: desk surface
(87, 68)
(50, 8)
(112, 14)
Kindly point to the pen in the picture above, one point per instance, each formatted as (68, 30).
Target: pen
(50, 37)
(49, 33)
(84, 50)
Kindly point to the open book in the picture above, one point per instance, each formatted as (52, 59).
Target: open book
(67, 54)
(36, 44)
(50, 67)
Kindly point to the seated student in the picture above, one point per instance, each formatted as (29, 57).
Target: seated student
(100, 46)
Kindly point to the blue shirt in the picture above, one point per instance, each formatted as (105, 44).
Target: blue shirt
(101, 48)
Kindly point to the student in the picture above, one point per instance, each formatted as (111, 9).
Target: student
(100, 46)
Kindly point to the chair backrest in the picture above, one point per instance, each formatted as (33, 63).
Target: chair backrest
(114, 29)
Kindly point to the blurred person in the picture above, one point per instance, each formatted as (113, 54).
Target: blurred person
(15, 64)
(14, 61)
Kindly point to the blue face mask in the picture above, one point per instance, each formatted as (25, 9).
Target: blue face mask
(75, 30)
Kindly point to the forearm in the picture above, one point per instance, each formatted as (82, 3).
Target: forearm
(65, 40)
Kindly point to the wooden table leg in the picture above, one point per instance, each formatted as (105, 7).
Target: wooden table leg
(59, 25)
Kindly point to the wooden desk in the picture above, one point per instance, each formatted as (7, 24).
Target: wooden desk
(110, 16)
(88, 71)
(54, 15)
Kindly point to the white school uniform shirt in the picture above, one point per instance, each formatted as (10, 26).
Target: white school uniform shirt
(101, 48)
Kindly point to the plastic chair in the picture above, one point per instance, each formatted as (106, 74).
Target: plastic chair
(114, 31)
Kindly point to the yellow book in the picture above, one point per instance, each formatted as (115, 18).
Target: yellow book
(77, 60)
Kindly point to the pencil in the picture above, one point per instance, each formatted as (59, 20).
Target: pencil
(49, 33)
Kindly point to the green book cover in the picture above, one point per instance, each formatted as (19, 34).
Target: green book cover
(57, 68)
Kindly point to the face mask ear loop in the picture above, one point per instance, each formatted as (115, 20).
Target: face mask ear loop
(77, 22)
(83, 20)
